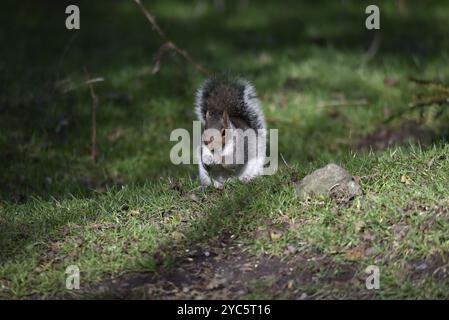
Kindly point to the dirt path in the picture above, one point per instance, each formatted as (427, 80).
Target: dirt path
(222, 271)
(225, 271)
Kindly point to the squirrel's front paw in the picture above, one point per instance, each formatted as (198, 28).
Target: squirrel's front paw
(218, 185)
(208, 159)
(246, 179)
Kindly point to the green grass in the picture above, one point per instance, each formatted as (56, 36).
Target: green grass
(119, 216)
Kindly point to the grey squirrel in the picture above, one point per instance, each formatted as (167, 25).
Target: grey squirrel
(233, 137)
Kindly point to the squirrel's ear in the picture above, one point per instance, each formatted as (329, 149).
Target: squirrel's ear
(226, 122)
(207, 115)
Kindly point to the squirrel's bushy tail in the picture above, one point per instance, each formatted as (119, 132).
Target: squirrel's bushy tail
(235, 95)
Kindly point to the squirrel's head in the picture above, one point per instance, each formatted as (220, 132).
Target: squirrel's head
(215, 135)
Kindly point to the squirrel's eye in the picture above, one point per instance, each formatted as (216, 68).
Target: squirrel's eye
(223, 132)
(206, 142)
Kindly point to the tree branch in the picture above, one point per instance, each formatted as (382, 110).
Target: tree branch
(168, 44)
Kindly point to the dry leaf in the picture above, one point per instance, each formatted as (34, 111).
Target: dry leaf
(193, 197)
(356, 253)
(275, 235)
(359, 225)
(177, 235)
(290, 250)
(368, 236)
(135, 212)
(405, 179)
(400, 230)
(216, 283)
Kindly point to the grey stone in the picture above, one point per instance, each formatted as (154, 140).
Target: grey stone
(331, 180)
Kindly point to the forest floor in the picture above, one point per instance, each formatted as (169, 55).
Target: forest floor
(138, 226)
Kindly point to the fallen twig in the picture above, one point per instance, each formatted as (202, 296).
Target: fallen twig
(426, 103)
(94, 80)
(372, 50)
(418, 105)
(285, 162)
(440, 97)
(67, 85)
(439, 85)
(168, 44)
